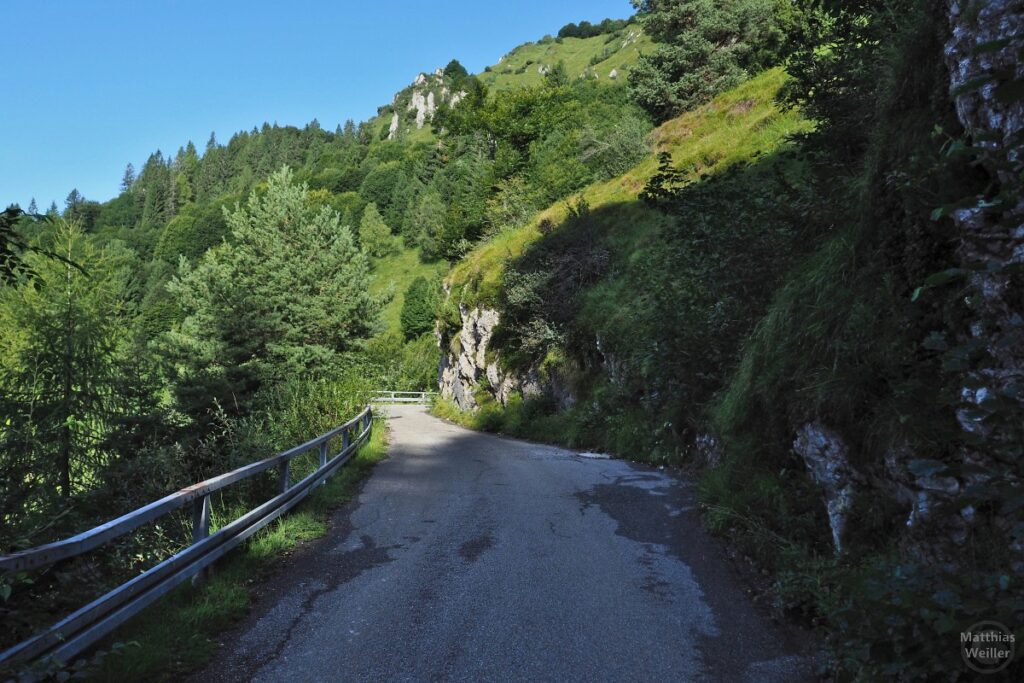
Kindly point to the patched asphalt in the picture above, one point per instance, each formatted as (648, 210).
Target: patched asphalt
(471, 557)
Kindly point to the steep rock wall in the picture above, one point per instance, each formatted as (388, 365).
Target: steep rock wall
(466, 366)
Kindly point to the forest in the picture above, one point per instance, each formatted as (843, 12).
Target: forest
(750, 238)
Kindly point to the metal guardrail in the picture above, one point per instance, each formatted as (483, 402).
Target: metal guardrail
(77, 631)
(415, 397)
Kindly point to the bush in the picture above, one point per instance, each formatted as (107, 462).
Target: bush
(374, 235)
(613, 150)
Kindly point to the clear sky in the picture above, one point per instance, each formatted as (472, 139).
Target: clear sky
(92, 85)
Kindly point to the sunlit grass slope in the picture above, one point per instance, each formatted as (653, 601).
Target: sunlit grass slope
(395, 273)
(597, 56)
(735, 127)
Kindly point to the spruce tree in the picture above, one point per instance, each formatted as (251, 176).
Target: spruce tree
(72, 202)
(427, 223)
(417, 315)
(128, 179)
(32, 208)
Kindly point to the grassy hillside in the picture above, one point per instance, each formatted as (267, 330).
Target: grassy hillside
(594, 57)
(733, 128)
(395, 273)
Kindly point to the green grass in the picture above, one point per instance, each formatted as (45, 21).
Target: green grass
(519, 68)
(734, 127)
(180, 633)
(396, 273)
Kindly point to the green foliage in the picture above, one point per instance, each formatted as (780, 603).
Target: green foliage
(374, 235)
(285, 296)
(404, 365)
(585, 29)
(14, 247)
(64, 341)
(611, 150)
(888, 383)
(426, 224)
(511, 205)
(192, 232)
(383, 187)
(705, 47)
(422, 300)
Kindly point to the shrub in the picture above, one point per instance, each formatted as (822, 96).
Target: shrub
(612, 150)
(374, 235)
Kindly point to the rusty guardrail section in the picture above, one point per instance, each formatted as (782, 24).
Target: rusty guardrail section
(77, 631)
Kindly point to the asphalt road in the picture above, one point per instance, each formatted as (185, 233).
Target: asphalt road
(470, 557)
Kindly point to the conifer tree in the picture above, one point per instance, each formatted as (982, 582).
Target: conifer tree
(286, 295)
(61, 343)
(129, 178)
(72, 202)
(417, 315)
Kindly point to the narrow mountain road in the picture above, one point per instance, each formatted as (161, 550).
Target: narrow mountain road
(470, 557)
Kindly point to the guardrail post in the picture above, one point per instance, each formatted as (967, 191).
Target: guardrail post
(200, 530)
(284, 476)
(323, 459)
(345, 440)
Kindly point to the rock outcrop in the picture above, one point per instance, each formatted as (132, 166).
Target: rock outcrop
(466, 363)
(982, 56)
(426, 94)
(827, 459)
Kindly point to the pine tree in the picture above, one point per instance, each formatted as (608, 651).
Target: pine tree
(32, 208)
(286, 295)
(52, 211)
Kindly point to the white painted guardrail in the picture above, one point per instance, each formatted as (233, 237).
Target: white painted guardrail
(414, 397)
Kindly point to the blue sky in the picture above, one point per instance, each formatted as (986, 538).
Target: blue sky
(92, 85)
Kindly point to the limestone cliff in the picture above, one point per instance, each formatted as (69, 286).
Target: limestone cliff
(468, 364)
(415, 106)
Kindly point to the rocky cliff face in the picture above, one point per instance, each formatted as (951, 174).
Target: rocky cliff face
(466, 366)
(985, 48)
(421, 100)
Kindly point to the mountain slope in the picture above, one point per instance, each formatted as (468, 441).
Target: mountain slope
(597, 57)
(734, 128)
(606, 57)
